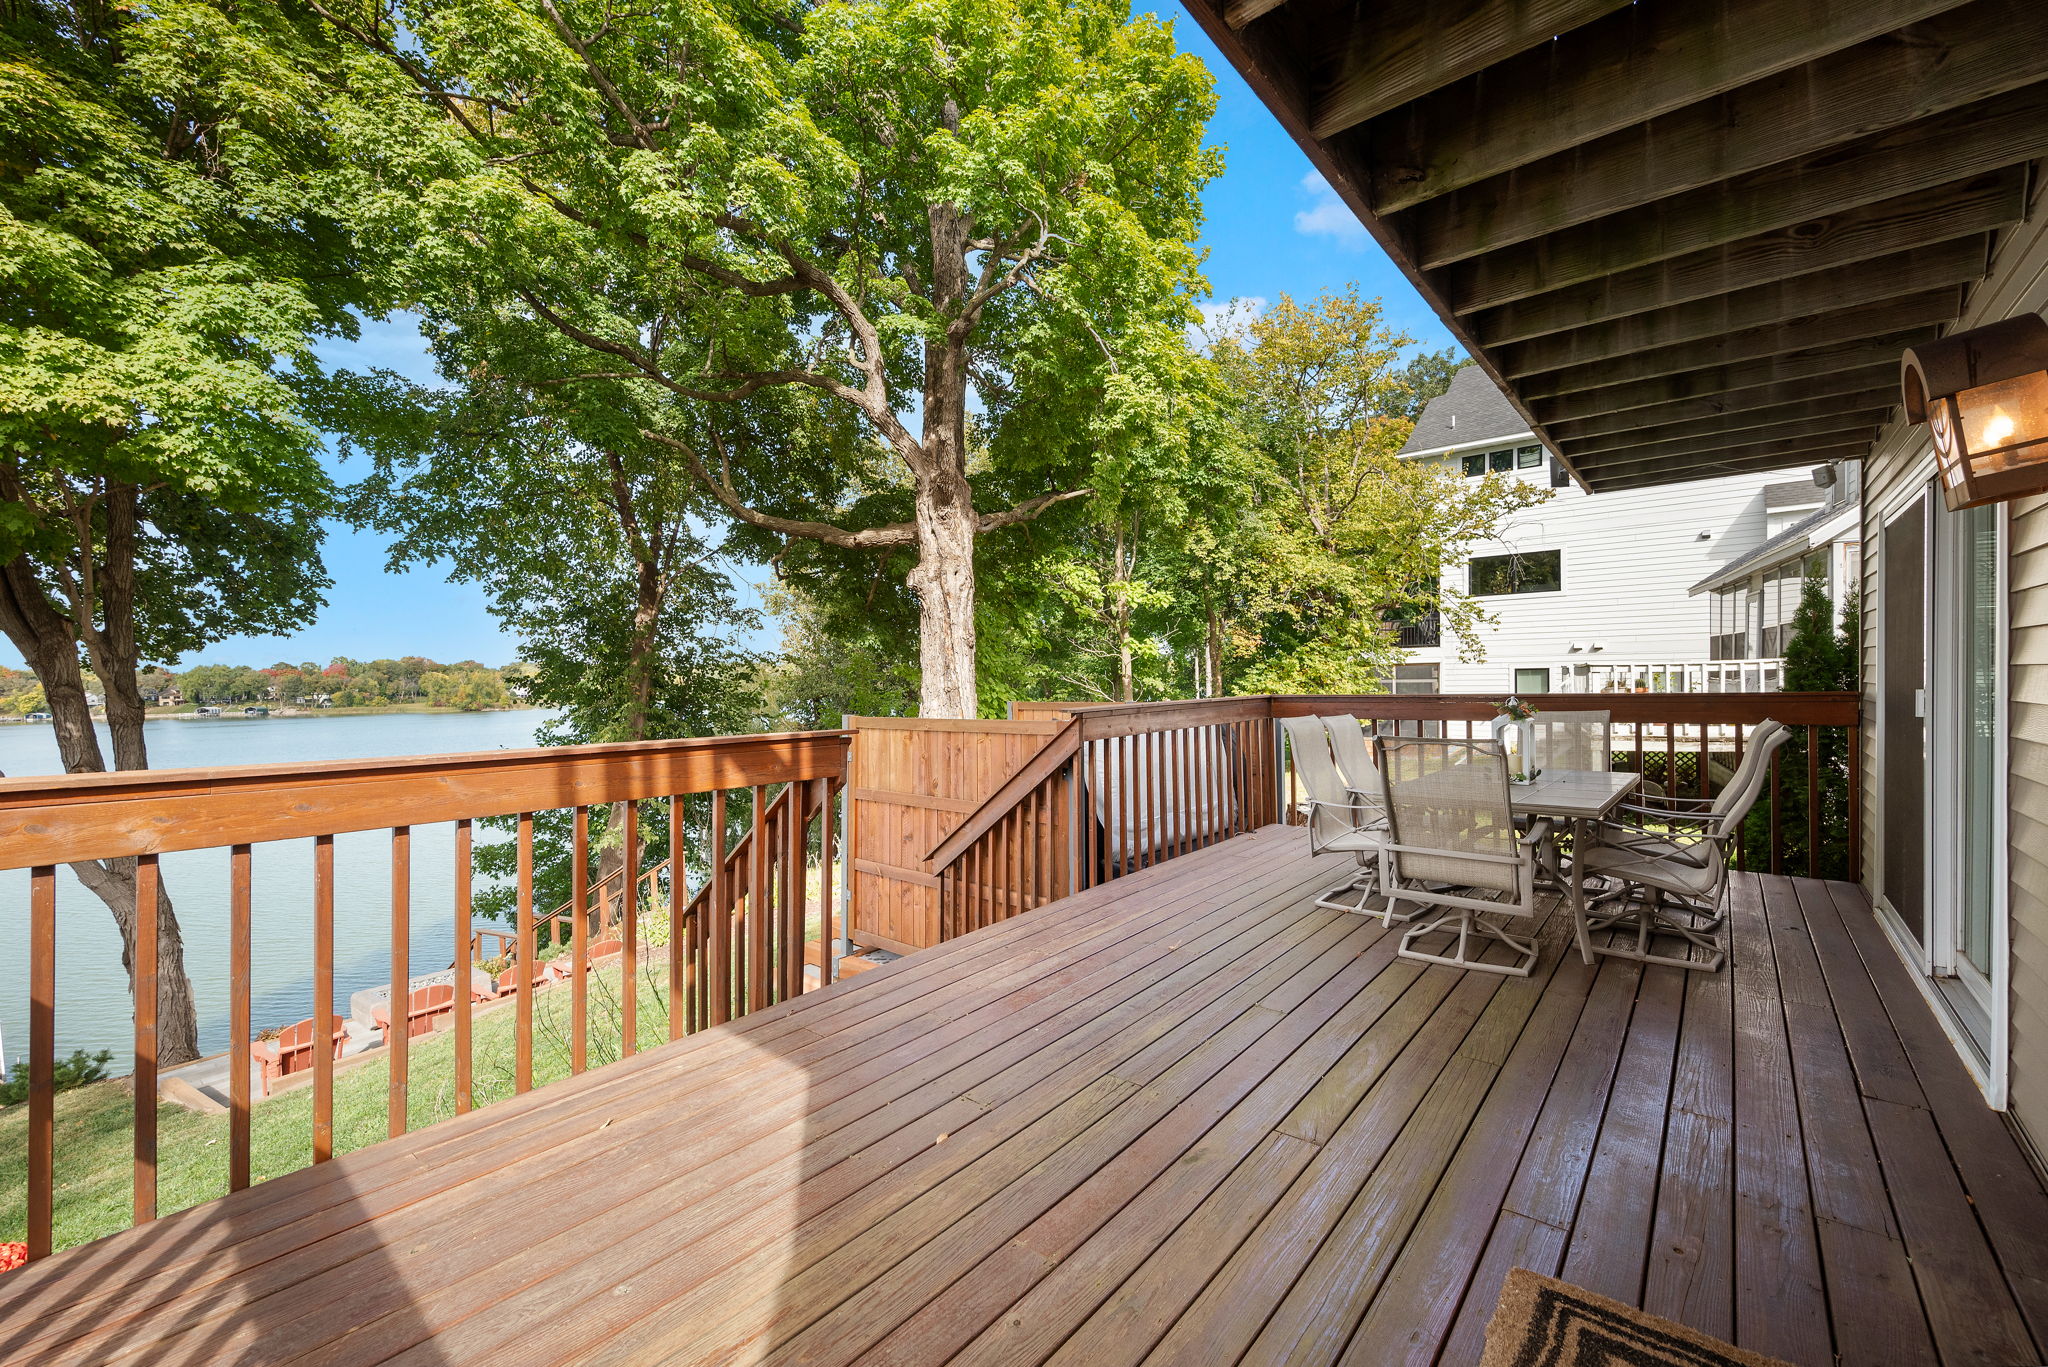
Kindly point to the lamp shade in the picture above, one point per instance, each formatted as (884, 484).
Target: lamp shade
(1984, 397)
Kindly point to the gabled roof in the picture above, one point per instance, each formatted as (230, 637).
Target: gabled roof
(1472, 410)
(1794, 493)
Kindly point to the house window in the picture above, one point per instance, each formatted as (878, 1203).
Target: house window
(1536, 572)
(1500, 460)
(1780, 603)
(1559, 477)
(1475, 463)
(1411, 679)
(1729, 628)
(1528, 457)
(1532, 681)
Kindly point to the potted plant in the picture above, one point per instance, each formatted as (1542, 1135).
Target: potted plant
(1512, 732)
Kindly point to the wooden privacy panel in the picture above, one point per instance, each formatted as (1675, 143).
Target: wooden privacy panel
(913, 779)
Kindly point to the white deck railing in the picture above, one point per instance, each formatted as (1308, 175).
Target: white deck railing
(1671, 676)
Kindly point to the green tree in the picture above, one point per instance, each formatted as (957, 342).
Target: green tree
(167, 256)
(1820, 657)
(1343, 538)
(861, 218)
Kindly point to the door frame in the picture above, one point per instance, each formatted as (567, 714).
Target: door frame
(1988, 1063)
(1945, 872)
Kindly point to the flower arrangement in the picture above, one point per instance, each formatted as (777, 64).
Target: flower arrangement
(1514, 708)
(12, 1256)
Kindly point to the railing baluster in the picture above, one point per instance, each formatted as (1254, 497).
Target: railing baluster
(465, 969)
(718, 974)
(579, 938)
(399, 1009)
(629, 940)
(1855, 743)
(1813, 822)
(1777, 817)
(522, 960)
(323, 998)
(796, 799)
(828, 959)
(678, 940)
(147, 1003)
(238, 1016)
(42, 1058)
(757, 904)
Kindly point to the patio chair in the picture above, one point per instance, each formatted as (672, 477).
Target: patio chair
(1674, 883)
(292, 1051)
(1679, 826)
(424, 1007)
(1338, 819)
(1453, 846)
(1354, 757)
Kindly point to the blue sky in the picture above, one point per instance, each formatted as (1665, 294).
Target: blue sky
(1272, 228)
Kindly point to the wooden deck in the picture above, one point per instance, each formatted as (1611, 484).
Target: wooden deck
(1185, 1117)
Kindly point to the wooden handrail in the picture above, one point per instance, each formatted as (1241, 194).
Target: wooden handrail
(154, 811)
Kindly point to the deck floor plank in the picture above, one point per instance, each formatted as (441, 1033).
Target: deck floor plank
(1873, 1301)
(1184, 1117)
(1780, 1294)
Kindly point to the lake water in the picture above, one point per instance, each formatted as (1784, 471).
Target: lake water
(93, 1010)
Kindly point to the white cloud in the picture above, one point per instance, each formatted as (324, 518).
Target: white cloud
(1328, 216)
(1221, 317)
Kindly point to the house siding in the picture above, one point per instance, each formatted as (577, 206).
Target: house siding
(2018, 282)
(1629, 558)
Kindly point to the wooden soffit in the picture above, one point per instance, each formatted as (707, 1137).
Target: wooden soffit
(1687, 237)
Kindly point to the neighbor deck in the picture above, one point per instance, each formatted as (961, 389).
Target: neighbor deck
(1183, 1117)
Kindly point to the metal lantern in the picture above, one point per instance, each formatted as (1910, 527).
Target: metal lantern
(1984, 397)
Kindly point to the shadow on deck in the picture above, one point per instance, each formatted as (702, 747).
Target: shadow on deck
(1184, 1117)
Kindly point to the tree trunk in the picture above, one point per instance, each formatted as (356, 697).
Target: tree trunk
(943, 580)
(46, 643)
(1215, 649)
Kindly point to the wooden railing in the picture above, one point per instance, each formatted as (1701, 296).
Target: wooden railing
(740, 934)
(1117, 789)
(1121, 788)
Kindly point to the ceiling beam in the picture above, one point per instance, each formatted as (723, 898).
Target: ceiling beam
(1920, 159)
(1755, 346)
(1844, 429)
(1946, 263)
(1731, 384)
(1241, 12)
(1400, 50)
(1972, 53)
(1634, 65)
(1978, 205)
(1742, 426)
(1761, 396)
(1786, 456)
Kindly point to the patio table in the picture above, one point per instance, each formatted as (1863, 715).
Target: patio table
(1573, 798)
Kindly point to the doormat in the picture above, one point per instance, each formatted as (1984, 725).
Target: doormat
(1542, 1322)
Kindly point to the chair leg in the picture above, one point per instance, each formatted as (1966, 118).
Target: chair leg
(1354, 894)
(1642, 917)
(1475, 936)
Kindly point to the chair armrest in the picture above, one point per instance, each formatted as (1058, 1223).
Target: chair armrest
(1538, 832)
(1700, 818)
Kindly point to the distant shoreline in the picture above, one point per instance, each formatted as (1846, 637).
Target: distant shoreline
(230, 712)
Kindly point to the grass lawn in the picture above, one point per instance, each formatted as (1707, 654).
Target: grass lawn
(94, 1144)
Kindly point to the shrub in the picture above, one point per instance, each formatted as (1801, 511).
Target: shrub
(75, 1071)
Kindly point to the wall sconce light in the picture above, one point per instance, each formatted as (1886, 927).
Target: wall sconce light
(1984, 397)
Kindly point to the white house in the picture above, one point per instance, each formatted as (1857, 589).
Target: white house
(1612, 593)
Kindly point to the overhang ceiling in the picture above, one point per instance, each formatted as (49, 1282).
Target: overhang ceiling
(1689, 237)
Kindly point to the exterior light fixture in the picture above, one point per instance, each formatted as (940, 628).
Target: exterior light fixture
(1984, 397)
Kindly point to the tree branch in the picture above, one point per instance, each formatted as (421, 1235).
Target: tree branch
(871, 538)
